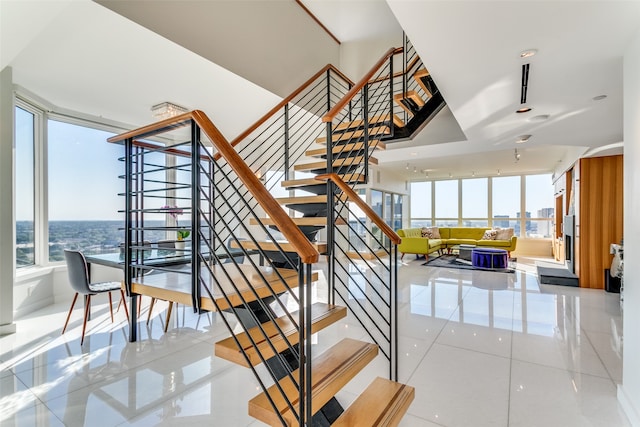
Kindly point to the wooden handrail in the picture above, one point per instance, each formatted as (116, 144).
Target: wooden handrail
(358, 86)
(174, 151)
(288, 99)
(399, 73)
(353, 196)
(154, 128)
(285, 224)
(315, 18)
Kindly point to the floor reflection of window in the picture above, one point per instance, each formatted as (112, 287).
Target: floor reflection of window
(540, 308)
(420, 298)
(446, 299)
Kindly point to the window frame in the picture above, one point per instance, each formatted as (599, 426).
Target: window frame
(46, 111)
(40, 232)
(521, 221)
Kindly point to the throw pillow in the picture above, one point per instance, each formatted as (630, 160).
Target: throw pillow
(435, 233)
(504, 234)
(430, 232)
(490, 235)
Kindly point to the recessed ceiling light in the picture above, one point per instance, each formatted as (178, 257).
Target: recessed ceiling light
(523, 110)
(599, 97)
(539, 118)
(414, 153)
(522, 139)
(528, 53)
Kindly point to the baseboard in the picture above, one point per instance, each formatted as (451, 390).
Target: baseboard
(28, 309)
(627, 407)
(8, 329)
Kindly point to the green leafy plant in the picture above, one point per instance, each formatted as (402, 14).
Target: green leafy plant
(174, 211)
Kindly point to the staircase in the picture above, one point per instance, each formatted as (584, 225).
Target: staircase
(332, 127)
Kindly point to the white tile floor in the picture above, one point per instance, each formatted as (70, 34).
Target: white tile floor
(481, 349)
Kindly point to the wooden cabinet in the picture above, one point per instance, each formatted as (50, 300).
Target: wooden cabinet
(592, 192)
(598, 190)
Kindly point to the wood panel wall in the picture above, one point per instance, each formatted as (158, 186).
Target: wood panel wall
(599, 216)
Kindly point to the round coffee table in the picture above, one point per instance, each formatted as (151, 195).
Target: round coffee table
(490, 258)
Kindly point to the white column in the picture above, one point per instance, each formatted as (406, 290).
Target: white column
(629, 390)
(7, 229)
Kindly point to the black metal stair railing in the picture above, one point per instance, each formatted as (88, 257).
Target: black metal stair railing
(203, 177)
(364, 260)
(280, 139)
(362, 264)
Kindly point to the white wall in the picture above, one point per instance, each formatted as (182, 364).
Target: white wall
(386, 180)
(7, 231)
(629, 391)
(276, 45)
(357, 57)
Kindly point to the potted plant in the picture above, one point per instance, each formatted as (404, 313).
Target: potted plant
(181, 233)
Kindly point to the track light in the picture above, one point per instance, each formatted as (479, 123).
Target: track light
(516, 155)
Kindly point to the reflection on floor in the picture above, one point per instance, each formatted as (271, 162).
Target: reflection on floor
(481, 348)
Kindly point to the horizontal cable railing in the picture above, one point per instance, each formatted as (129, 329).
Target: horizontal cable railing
(224, 274)
(365, 256)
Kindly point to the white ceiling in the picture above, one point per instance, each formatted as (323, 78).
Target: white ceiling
(84, 57)
(472, 50)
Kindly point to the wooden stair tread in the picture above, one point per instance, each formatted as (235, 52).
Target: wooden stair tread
(412, 94)
(345, 136)
(418, 76)
(309, 220)
(331, 371)
(321, 247)
(349, 177)
(322, 198)
(176, 287)
(360, 122)
(347, 161)
(382, 404)
(373, 144)
(322, 315)
(421, 73)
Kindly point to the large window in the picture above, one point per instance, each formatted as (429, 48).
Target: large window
(421, 204)
(83, 190)
(524, 203)
(475, 193)
(506, 202)
(540, 205)
(387, 206)
(25, 128)
(447, 203)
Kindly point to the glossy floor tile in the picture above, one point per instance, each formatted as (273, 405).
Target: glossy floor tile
(481, 349)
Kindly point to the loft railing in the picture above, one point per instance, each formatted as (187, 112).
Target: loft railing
(203, 176)
(363, 253)
(365, 280)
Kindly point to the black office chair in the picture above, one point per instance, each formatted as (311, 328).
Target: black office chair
(79, 278)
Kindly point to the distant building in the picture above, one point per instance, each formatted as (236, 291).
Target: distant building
(502, 223)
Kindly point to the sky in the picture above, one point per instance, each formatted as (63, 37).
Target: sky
(539, 194)
(83, 172)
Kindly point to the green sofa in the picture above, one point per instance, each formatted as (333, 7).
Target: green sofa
(414, 243)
